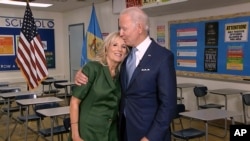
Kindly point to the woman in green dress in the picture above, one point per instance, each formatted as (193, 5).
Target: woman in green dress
(94, 106)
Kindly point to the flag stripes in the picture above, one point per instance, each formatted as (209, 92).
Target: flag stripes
(30, 54)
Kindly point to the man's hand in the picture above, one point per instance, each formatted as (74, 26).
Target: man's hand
(80, 78)
(144, 139)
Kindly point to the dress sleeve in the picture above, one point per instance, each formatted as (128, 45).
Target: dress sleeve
(81, 92)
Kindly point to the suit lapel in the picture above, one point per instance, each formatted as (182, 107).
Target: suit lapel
(143, 63)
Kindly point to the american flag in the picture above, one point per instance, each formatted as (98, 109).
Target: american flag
(30, 54)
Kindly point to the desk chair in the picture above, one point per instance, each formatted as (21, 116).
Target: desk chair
(46, 132)
(58, 87)
(200, 92)
(66, 123)
(4, 103)
(50, 89)
(185, 133)
(246, 105)
(21, 119)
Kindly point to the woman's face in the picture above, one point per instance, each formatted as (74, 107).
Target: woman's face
(117, 51)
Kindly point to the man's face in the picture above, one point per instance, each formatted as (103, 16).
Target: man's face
(128, 30)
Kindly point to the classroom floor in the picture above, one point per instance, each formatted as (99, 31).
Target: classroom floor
(19, 132)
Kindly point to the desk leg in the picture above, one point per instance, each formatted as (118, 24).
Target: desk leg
(225, 102)
(8, 120)
(50, 87)
(66, 94)
(26, 122)
(180, 95)
(52, 127)
(206, 130)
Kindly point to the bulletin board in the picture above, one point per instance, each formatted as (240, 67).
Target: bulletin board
(212, 47)
(10, 28)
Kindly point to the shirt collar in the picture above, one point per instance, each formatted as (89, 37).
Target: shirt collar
(143, 46)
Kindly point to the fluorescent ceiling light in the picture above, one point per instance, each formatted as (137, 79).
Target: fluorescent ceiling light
(18, 3)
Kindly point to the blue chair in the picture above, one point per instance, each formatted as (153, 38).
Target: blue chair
(59, 87)
(66, 123)
(200, 92)
(49, 84)
(19, 108)
(4, 102)
(185, 133)
(246, 105)
(58, 129)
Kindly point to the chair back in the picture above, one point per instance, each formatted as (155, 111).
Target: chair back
(58, 86)
(200, 91)
(28, 96)
(246, 103)
(246, 99)
(180, 108)
(66, 123)
(10, 90)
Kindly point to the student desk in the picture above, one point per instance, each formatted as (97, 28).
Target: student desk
(210, 114)
(27, 102)
(226, 92)
(8, 97)
(53, 113)
(7, 89)
(181, 86)
(66, 85)
(4, 84)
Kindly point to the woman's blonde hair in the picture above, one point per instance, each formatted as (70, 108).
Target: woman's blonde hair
(101, 54)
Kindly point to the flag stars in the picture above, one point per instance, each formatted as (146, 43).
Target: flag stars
(29, 27)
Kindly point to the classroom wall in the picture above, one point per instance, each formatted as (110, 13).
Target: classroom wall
(108, 23)
(234, 101)
(15, 77)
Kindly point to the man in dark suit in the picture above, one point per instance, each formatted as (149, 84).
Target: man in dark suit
(149, 97)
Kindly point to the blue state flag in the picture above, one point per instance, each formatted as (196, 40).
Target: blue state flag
(93, 39)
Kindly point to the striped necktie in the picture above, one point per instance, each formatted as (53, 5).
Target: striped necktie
(131, 64)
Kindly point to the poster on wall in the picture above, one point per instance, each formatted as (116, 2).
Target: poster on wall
(210, 59)
(235, 58)
(219, 45)
(7, 45)
(189, 63)
(211, 34)
(160, 34)
(236, 32)
(9, 35)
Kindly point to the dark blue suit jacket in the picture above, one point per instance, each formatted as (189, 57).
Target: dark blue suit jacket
(150, 99)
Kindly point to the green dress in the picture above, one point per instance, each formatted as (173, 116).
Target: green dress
(100, 98)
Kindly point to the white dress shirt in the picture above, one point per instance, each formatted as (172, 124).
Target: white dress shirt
(142, 47)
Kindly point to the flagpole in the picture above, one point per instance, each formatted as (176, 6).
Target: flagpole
(27, 1)
(28, 88)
